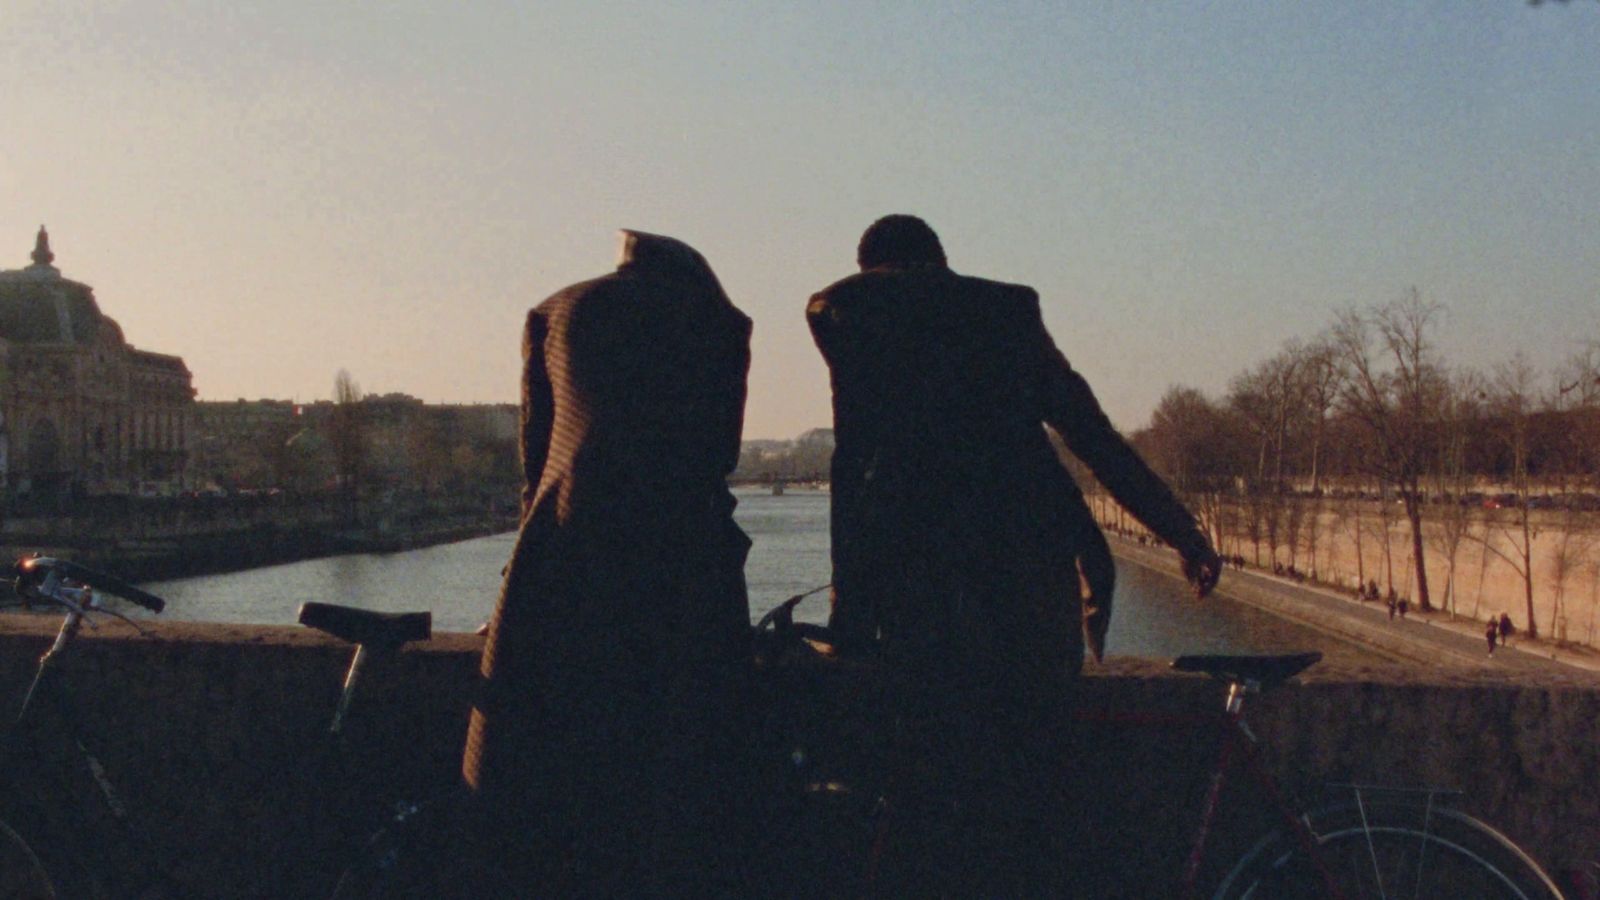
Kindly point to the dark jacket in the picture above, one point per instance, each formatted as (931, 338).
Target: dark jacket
(624, 600)
(955, 526)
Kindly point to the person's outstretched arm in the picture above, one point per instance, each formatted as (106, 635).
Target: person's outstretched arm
(1071, 408)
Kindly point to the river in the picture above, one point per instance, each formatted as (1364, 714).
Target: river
(1153, 615)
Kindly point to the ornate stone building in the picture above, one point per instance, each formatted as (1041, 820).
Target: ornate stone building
(82, 409)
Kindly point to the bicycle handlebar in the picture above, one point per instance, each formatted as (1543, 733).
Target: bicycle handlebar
(31, 571)
(779, 622)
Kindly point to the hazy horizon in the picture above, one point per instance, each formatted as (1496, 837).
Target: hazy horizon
(278, 193)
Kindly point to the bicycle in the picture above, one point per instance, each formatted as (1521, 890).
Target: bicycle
(1381, 842)
(1377, 842)
(47, 855)
(67, 832)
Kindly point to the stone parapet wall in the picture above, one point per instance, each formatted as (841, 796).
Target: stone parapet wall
(207, 728)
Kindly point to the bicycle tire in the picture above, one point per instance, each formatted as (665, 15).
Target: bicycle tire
(410, 856)
(36, 862)
(22, 874)
(1390, 849)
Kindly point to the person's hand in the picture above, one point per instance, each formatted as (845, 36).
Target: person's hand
(1203, 569)
(1099, 572)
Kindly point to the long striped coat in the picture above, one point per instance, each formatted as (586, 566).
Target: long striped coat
(623, 616)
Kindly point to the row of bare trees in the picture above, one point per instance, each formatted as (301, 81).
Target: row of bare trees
(360, 444)
(1369, 410)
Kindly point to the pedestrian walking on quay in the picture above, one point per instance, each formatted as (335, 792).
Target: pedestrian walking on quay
(1506, 630)
(1491, 634)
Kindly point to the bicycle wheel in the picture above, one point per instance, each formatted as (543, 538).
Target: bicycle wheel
(36, 861)
(414, 854)
(22, 875)
(1390, 850)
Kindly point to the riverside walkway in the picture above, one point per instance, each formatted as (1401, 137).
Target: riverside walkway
(1438, 642)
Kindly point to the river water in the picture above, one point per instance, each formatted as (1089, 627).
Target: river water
(1153, 615)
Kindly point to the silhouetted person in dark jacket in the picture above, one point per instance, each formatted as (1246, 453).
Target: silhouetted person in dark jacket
(958, 535)
(956, 529)
(616, 657)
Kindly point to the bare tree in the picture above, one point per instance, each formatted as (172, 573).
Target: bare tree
(1392, 386)
(1253, 515)
(1271, 506)
(1268, 399)
(1512, 400)
(1593, 568)
(1382, 531)
(1196, 446)
(1264, 398)
(349, 438)
(1577, 396)
(1321, 378)
(1452, 477)
(1343, 517)
(1313, 532)
(1572, 546)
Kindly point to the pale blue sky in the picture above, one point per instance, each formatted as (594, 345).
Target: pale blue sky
(280, 192)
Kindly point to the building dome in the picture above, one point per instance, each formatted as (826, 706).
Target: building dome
(38, 306)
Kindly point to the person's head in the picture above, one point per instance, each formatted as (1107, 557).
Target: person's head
(899, 240)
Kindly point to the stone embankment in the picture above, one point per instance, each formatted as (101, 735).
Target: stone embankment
(205, 727)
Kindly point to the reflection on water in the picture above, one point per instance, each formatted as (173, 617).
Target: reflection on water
(1154, 615)
(459, 582)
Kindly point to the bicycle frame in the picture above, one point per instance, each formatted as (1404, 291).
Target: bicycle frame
(49, 695)
(47, 684)
(48, 729)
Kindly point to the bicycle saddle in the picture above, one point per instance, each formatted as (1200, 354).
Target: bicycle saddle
(364, 626)
(1267, 671)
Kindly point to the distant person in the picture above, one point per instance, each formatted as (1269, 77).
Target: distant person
(616, 656)
(1490, 634)
(958, 536)
(1506, 630)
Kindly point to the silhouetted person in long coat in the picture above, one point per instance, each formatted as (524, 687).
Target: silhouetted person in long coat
(615, 658)
(958, 536)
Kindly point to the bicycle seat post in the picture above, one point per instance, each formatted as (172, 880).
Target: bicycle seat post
(351, 676)
(371, 632)
(1237, 690)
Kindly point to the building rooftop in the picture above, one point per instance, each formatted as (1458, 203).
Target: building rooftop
(38, 306)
